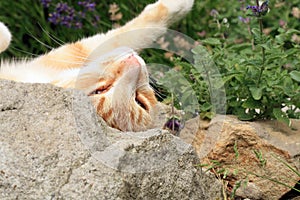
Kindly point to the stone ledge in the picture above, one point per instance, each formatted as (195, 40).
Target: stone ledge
(54, 146)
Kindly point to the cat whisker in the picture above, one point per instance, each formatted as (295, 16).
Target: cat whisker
(37, 55)
(61, 43)
(51, 48)
(152, 81)
(26, 52)
(157, 93)
(52, 37)
(39, 41)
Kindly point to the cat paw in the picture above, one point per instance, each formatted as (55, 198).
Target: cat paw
(5, 37)
(178, 7)
(170, 10)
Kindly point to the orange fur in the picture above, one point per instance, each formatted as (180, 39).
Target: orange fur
(160, 14)
(66, 57)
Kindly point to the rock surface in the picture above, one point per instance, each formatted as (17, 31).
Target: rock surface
(250, 154)
(53, 146)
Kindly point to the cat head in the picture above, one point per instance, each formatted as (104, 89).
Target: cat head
(118, 85)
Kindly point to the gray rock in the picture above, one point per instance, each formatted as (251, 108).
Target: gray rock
(54, 146)
(249, 189)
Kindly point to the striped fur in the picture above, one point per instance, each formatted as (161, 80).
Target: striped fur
(105, 66)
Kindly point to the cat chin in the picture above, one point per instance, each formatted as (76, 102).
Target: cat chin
(118, 54)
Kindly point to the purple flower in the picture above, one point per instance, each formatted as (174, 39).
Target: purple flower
(88, 5)
(78, 25)
(244, 20)
(282, 23)
(61, 13)
(173, 124)
(54, 18)
(259, 10)
(214, 13)
(264, 7)
(97, 18)
(81, 14)
(64, 8)
(46, 3)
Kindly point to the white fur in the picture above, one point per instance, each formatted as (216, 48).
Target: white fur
(27, 72)
(5, 37)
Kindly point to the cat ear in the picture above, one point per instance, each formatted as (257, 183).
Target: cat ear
(5, 37)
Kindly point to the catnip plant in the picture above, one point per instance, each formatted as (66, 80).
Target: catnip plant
(262, 78)
(71, 16)
(261, 75)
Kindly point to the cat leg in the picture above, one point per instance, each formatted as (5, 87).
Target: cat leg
(140, 32)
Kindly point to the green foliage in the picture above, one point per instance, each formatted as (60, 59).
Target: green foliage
(261, 75)
(236, 151)
(260, 157)
(258, 90)
(277, 181)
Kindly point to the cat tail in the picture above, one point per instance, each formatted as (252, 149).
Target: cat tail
(5, 37)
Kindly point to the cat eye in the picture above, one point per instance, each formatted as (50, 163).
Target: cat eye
(96, 92)
(100, 90)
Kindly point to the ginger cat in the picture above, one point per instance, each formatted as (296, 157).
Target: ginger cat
(110, 73)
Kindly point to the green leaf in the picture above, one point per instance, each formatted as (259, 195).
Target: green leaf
(206, 106)
(280, 39)
(292, 31)
(256, 32)
(256, 92)
(252, 62)
(251, 103)
(275, 56)
(281, 116)
(244, 116)
(212, 41)
(295, 75)
(259, 38)
(239, 47)
(207, 115)
(199, 50)
(266, 46)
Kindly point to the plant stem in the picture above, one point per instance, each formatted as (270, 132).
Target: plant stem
(173, 113)
(262, 48)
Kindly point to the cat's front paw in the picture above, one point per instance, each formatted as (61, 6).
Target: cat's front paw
(167, 11)
(177, 8)
(5, 37)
